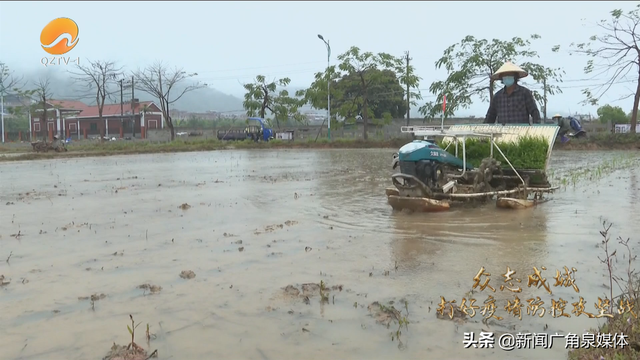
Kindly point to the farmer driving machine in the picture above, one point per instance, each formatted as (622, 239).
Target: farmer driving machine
(472, 163)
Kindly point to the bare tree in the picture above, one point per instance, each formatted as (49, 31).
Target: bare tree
(42, 92)
(98, 76)
(615, 54)
(159, 81)
(9, 84)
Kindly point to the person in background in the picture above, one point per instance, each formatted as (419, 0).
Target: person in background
(514, 103)
(567, 125)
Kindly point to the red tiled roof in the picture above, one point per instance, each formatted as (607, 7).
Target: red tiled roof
(111, 109)
(68, 104)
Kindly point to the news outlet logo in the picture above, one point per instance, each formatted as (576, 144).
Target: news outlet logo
(57, 38)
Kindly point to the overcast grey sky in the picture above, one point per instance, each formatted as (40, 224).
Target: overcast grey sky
(230, 42)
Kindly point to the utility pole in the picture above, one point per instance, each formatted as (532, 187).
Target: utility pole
(326, 42)
(2, 111)
(121, 107)
(164, 106)
(408, 93)
(328, 91)
(544, 98)
(133, 108)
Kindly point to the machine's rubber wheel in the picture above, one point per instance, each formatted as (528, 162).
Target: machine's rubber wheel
(488, 167)
(420, 169)
(410, 186)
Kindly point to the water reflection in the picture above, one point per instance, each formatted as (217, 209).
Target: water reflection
(351, 183)
(633, 188)
(453, 246)
(411, 247)
(505, 232)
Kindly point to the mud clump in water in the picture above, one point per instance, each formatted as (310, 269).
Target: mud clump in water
(384, 315)
(314, 289)
(292, 291)
(308, 290)
(130, 352)
(451, 312)
(94, 297)
(271, 228)
(187, 274)
(153, 289)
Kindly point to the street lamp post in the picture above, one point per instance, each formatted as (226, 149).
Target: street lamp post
(2, 114)
(326, 42)
(2, 109)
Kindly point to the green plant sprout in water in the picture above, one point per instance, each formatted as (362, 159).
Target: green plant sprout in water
(402, 320)
(577, 175)
(324, 299)
(528, 153)
(132, 351)
(132, 331)
(149, 335)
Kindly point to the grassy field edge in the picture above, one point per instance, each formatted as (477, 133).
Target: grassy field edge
(87, 149)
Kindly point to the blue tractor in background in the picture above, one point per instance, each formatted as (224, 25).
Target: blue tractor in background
(251, 132)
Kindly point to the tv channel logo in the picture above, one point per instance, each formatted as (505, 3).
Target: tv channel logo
(57, 38)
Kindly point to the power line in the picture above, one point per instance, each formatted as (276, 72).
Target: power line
(315, 70)
(312, 70)
(260, 67)
(88, 96)
(391, 94)
(585, 85)
(280, 73)
(379, 96)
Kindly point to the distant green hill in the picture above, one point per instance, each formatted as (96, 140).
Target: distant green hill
(202, 100)
(63, 87)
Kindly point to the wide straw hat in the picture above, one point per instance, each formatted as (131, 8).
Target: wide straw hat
(509, 67)
(556, 116)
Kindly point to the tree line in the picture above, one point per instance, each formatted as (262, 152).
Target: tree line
(613, 115)
(372, 86)
(377, 87)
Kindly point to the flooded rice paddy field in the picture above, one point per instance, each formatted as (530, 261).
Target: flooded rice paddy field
(255, 222)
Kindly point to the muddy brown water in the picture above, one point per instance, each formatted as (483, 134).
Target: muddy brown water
(108, 225)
